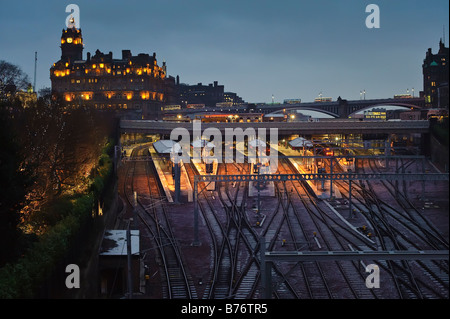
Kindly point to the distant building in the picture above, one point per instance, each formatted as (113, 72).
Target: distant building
(27, 98)
(233, 98)
(292, 101)
(403, 96)
(435, 78)
(102, 82)
(376, 114)
(323, 99)
(210, 95)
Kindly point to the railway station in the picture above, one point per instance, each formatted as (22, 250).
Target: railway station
(328, 193)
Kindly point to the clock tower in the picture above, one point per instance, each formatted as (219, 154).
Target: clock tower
(71, 43)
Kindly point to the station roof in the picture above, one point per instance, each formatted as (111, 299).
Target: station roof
(300, 142)
(164, 146)
(274, 115)
(256, 143)
(202, 143)
(115, 243)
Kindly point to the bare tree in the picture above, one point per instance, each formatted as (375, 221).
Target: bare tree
(12, 78)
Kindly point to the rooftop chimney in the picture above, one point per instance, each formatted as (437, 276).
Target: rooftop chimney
(126, 54)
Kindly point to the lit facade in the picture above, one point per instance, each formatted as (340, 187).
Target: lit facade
(101, 82)
(377, 114)
(435, 78)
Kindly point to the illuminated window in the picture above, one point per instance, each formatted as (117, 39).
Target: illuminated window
(145, 95)
(433, 83)
(63, 41)
(102, 65)
(69, 40)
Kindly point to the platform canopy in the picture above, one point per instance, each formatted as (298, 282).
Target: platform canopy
(115, 243)
(300, 142)
(164, 147)
(257, 143)
(202, 143)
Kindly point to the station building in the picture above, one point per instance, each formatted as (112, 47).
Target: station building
(435, 78)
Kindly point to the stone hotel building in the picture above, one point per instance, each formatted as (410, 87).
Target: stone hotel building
(130, 83)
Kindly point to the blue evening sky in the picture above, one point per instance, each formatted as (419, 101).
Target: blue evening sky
(256, 48)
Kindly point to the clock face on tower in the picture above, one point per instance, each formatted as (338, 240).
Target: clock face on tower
(72, 44)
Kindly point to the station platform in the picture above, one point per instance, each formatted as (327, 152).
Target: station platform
(165, 177)
(321, 189)
(266, 189)
(167, 180)
(200, 167)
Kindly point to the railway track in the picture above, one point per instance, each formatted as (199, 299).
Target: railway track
(296, 221)
(401, 228)
(141, 177)
(333, 235)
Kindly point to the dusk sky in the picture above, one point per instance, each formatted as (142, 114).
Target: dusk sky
(256, 48)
